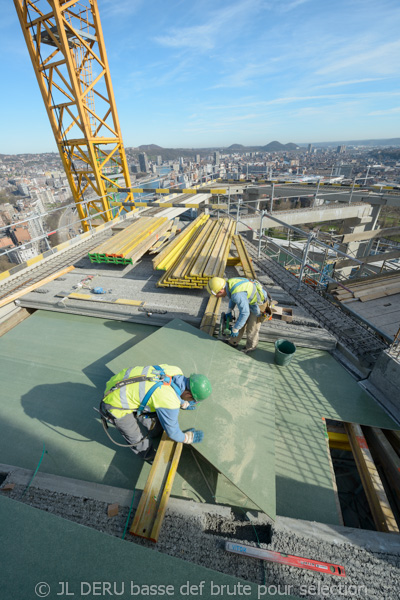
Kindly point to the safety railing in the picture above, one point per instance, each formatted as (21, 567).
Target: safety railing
(394, 348)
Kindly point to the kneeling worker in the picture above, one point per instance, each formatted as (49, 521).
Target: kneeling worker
(142, 401)
(253, 302)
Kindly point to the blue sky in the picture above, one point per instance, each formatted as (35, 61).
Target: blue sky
(217, 72)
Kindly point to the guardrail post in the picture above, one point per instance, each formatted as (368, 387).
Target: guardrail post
(316, 193)
(352, 190)
(304, 260)
(237, 215)
(272, 197)
(260, 234)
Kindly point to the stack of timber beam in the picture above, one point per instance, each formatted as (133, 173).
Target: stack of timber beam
(199, 253)
(368, 289)
(127, 246)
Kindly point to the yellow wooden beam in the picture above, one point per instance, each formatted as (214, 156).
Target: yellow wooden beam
(34, 286)
(338, 441)
(232, 261)
(153, 501)
(378, 502)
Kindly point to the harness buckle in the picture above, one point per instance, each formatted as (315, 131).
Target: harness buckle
(167, 380)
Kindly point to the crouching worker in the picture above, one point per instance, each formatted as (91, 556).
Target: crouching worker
(254, 305)
(143, 401)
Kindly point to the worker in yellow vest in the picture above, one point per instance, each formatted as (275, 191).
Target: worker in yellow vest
(253, 303)
(142, 401)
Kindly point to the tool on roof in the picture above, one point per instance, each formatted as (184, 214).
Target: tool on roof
(286, 559)
(225, 325)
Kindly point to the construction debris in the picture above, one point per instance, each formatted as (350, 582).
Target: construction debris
(368, 289)
(8, 487)
(113, 509)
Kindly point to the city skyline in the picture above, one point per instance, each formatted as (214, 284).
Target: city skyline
(247, 72)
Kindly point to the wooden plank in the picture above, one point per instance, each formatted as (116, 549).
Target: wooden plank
(142, 248)
(390, 461)
(219, 255)
(379, 504)
(224, 255)
(14, 320)
(153, 501)
(101, 298)
(245, 259)
(211, 315)
(34, 286)
(183, 237)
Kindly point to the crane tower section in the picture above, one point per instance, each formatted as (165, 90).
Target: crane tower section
(66, 46)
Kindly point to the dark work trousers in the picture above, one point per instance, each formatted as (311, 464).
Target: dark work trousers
(134, 429)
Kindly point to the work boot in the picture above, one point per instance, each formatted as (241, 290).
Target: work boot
(247, 350)
(150, 456)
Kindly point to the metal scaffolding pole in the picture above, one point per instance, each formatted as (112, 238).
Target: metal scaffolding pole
(260, 234)
(303, 262)
(272, 196)
(237, 215)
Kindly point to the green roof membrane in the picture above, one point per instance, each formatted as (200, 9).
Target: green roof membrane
(314, 385)
(45, 556)
(303, 472)
(238, 419)
(54, 368)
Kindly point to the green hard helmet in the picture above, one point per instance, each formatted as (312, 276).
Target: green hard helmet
(200, 386)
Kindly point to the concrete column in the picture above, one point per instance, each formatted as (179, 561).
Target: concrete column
(252, 195)
(358, 225)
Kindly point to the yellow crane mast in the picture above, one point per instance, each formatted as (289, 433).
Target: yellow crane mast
(66, 46)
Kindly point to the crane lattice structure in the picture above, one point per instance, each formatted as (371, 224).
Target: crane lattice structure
(66, 46)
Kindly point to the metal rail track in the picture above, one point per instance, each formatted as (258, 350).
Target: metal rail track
(53, 264)
(353, 334)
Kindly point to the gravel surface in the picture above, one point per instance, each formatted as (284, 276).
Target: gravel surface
(200, 540)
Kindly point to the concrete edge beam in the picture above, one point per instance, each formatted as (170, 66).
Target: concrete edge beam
(332, 534)
(374, 541)
(103, 493)
(104, 313)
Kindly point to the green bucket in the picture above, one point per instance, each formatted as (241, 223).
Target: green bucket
(284, 352)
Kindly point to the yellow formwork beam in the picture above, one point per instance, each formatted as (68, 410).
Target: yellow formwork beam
(166, 258)
(153, 502)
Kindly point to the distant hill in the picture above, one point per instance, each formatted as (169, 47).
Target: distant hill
(152, 150)
(278, 147)
(235, 148)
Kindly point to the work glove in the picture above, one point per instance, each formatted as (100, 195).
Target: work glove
(188, 405)
(193, 436)
(235, 333)
(229, 315)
